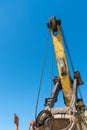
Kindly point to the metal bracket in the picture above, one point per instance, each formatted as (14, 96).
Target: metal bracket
(49, 102)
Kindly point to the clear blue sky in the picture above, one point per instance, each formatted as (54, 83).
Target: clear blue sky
(23, 33)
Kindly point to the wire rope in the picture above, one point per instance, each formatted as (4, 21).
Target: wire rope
(51, 70)
(41, 76)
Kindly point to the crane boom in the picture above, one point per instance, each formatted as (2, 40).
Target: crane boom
(74, 115)
(61, 59)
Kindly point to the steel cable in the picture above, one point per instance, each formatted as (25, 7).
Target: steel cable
(41, 76)
(51, 70)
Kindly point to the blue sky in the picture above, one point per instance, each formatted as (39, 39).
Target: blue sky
(23, 34)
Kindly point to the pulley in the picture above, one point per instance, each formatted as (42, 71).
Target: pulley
(53, 24)
(42, 117)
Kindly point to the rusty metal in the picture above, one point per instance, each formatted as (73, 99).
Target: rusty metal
(57, 119)
(78, 77)
(16, 121)
(56, 79)
(42, 117)
(53, 24)
(74, 115)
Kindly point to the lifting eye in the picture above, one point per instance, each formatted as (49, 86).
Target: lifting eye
(55, 33)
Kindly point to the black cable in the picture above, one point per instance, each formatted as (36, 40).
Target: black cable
(39, 88)
(51, 70)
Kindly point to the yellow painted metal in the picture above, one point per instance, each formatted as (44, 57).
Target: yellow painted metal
(60, 53)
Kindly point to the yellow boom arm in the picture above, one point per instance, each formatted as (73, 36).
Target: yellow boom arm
(61, 60)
